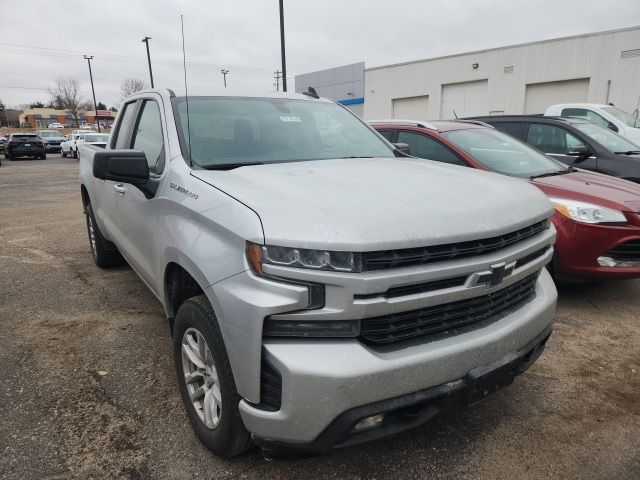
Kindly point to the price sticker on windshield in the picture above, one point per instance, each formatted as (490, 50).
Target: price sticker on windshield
(290, 118)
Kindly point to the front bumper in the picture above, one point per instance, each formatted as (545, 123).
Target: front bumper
(414, 409)
(578, 246)
(323, 379)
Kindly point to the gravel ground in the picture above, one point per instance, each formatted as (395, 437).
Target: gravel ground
(87, 386)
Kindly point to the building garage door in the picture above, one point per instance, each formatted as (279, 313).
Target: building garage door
(540, 96)
(464, 99)
(411, 108)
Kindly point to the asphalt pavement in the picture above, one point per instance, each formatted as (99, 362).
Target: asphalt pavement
(87, 386)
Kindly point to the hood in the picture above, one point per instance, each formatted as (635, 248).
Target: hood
(379, 203)
(593, 187)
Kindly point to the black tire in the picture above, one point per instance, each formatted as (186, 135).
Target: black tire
(105, 254)
(75, 153)
(63, 153)
(43, 156)
(7, 156)
(229, 438)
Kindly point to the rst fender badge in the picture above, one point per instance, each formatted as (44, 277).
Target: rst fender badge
(183, 190)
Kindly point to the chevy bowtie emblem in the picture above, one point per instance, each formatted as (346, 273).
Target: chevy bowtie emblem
(494, 276)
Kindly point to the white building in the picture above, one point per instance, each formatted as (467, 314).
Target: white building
(598, 68)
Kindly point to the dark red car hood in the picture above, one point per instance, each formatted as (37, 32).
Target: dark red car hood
(593, 187)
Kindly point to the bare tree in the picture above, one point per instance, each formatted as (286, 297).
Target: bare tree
(66, 93)
(129, 86)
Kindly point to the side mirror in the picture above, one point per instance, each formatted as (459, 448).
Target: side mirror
(126, 166)
(611, 126)
(582, 152)
(403, 148)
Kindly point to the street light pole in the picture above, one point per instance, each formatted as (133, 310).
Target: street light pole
(224, 76)
(95, 106)
(284, 62)
(146, 40)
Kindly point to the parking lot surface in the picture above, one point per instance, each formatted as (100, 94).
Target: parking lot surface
(87, 388)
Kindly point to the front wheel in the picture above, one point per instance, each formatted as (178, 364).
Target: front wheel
(43, 156)
(7, 155)
(206, 382)
(75, 153)
(63, 153)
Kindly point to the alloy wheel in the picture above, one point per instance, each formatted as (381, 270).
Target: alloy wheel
(201, 378)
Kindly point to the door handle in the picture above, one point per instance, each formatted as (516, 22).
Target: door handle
(119, 188)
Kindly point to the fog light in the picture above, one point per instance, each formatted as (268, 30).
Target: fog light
(368, 423)
(612, 262)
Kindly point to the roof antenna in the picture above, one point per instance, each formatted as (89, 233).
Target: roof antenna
(455, 114)
(311, 92)
(186, 91)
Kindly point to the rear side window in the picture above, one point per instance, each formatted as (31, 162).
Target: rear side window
(424, 146)
(515, 129)
(148, 135)
(124, 126)
(585, 115)
(552, 139)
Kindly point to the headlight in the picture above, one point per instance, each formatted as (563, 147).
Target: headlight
(587, 212)
(302, 258)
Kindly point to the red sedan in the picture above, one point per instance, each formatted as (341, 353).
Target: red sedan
(597, 217)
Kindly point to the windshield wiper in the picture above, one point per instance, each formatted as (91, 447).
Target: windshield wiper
(230, 166)
(628, 152)
(553, 174)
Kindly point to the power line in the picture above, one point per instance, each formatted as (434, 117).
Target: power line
(61, 53)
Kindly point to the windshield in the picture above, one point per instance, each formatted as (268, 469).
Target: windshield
(502, 153)
(607, 138)
(623, 116)
(49, 134)
(96, 138)
(231, 131)
(24, 136)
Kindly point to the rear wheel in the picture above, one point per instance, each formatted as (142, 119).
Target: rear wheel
(7, 155)
(75, 153)
(63, 153)
(105, 254)
(206, 382)
(43, 156)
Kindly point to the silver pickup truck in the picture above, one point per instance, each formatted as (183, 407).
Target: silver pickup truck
(322, 288)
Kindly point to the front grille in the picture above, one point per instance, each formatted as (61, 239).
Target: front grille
(445, 318)
(270, 388)
(531, 257)
(387, 259)
(416, 288)
(626, 251)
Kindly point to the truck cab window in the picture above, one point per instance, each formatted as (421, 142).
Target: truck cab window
(122, 130)
(585, 114)
(148, 135)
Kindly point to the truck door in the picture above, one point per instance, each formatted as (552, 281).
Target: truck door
(104, 205)
(138, 215)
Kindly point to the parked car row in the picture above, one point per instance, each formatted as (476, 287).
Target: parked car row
(596, 215)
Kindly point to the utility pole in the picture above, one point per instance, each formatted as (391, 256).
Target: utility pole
(284, 61)
(95, 107)
(277, 76)
(146, 40)
(224, 76)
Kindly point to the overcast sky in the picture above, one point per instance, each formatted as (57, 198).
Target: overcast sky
(40, 40)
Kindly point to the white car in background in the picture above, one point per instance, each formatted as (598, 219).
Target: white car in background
(99, 140)
(608, 116)
(55, 125)
(68, 147)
